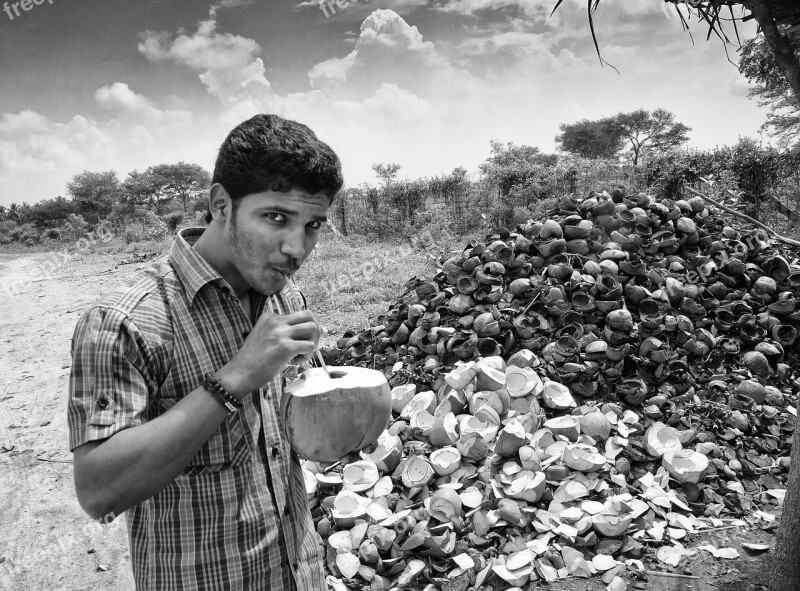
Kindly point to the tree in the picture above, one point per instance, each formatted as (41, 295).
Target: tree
(386, 172)
(95, 193)
(590, 139)
(770, 87)
(656, 130)
(510, 164)
(182, 180)
(14, 213)
(144, 189)
(770, 15)
(51, 213)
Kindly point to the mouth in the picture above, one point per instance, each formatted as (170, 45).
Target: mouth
(285, 272)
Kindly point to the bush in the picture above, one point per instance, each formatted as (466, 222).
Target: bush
(31, 237)
(52, 234)
(173, 220)
(134, 233)
(74, 228)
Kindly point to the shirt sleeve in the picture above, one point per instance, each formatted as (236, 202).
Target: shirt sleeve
(110, 383)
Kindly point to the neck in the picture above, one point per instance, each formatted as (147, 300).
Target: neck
(213, 247)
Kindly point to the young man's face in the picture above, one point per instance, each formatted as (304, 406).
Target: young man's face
(272, 234)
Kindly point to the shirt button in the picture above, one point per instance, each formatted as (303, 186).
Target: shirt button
(287, 510)
(275, 452)
(103, 403)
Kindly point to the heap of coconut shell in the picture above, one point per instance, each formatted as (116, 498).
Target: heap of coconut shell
(568, 395)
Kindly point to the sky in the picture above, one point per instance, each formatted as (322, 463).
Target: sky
(428, 84)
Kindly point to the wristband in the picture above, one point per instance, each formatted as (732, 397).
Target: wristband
(212, 385)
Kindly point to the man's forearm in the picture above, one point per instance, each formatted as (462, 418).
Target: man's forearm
(113, 475)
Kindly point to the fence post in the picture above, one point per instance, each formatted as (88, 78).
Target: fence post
(344, 217)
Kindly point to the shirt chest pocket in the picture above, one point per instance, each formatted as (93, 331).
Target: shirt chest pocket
(227, 448)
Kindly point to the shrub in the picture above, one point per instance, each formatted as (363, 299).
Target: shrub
(173, 220)
(52, 234)
(134, 233)
(31, 237)
(74, 227)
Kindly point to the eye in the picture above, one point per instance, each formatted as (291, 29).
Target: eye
(276, 217)
(315, 225)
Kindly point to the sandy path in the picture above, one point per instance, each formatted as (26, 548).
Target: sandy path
(47, 541)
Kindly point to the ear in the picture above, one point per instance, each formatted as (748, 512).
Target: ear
(219, 203)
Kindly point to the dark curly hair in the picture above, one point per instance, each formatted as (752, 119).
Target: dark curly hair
(269, 153)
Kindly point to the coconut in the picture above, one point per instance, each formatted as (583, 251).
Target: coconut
(402, 395)
(557, 396)
(596, 425)
(521, 381)
(510, 439)
(329, 414)
(527, 486)
(444, 430)
(489, 378)
(416, 472)
(388, 452)
(445, 505)
(756, 362)
(686, 465)
(421, 423)
(445, 460)
(422, 400)
(568, 426)
(612, 525)
(360, 476)
(347, 507)
(459, 377)
(472, 446)
(311, 483)
(523, 358)
(660, 439)
(752, 389)
(583, 458)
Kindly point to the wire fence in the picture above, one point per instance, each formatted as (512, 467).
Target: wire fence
(456, 205)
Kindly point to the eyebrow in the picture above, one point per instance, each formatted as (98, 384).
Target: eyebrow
(290, 212)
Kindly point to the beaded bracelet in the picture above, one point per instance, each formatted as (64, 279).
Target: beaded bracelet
(223, 397)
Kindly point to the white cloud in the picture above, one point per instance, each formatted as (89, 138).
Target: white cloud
(356, 9)
(227, 63)
(394, 95)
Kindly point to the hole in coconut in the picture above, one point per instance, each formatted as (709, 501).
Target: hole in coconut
(337, 374)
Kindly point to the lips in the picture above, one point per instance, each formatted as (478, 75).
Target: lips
(285, 271)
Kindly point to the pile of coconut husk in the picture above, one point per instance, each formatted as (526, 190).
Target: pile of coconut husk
(576, 398)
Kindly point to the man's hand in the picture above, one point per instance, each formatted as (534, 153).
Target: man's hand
(274, 341)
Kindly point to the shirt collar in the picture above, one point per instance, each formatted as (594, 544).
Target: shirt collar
(192, 269)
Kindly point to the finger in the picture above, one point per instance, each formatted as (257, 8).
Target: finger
(308, 331)
(298, 317)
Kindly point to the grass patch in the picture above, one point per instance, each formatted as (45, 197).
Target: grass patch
(349, 280)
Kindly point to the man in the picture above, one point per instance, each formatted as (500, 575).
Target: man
(176, 379)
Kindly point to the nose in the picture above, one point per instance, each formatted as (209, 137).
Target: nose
(293, 244)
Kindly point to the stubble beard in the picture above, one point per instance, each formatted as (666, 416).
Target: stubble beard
(257, 283)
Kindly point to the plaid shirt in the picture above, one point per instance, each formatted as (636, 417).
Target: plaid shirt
(237, 517)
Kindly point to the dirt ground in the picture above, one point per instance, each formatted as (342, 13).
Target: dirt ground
(48, 543)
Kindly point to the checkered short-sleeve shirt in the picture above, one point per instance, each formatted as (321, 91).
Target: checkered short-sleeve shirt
(237, 517)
